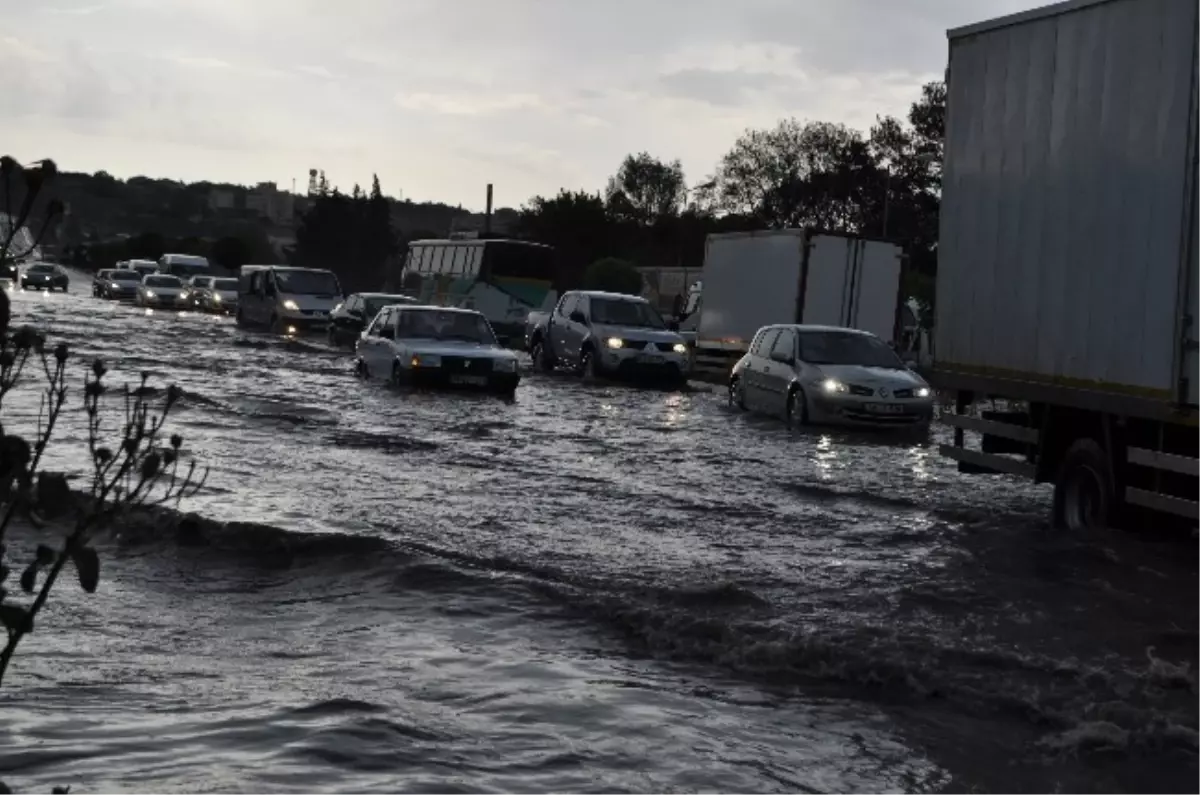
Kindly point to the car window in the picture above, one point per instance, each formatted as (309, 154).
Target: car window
(567, 305)
(785, 344)
(768, 339)
(352, 303)
(756, 345)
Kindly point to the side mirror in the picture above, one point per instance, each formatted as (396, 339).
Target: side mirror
(578, 317)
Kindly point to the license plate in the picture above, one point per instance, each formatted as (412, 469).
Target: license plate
(884, 408)
(474, 380)
(647, 358)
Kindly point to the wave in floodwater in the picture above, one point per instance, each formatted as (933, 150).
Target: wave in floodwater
(568, 579)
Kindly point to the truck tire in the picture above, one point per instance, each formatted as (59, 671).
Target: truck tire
(542, 361)
(589, 364)
(1085, 496)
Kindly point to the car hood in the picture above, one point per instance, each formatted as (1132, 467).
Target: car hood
(123, 285)
(872, 376)
(226, 295)
(40, 275)
(166, 292)
(451, 348)
(661, 337)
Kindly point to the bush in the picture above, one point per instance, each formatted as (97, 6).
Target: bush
(143, 466)
(614, 276)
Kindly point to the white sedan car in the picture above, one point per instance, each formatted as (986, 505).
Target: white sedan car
(829, 375)
(162, 290)
(436, 346)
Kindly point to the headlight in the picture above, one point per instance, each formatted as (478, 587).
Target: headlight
(149, 293)
(616, 342)
(832, 385)
(113, 284)
(921, 391)
(216, 297)
(679, 347)
(504, 365)
(426, 360)
(291, 305)
(184, 293)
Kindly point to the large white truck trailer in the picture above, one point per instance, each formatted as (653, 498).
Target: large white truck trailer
(1067, 260)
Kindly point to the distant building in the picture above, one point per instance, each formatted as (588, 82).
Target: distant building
(264, 200)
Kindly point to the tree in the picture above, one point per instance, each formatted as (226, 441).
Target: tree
(576, 224)
(645, 189)
(613, 275)
(786, 175)
(349, 235)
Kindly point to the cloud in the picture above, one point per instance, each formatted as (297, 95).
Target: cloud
(529, 94)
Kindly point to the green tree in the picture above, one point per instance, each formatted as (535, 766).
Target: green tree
(579, 227)
(613, 275)
(645, 189)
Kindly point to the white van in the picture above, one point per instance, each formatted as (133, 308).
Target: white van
(144, 267)
(286, 299)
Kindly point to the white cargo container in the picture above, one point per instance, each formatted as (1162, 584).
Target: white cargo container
(1067, 272)
(755, 279)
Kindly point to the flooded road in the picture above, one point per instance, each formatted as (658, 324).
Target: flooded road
(593, 588)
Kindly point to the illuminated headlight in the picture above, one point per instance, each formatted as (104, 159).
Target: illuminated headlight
(291, 305)
(113, 284)
(615, 342)
(216, 297)
(505, 365)
(833, 386)
(149, 293)
(679, 347)
(426, 360)
(921, 391)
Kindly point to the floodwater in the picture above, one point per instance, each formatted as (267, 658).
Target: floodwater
(593, 588)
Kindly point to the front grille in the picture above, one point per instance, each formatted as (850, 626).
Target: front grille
(466, 365)
(903, 393)
(634, 345)
(861, 391)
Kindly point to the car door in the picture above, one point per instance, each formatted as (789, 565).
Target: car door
(752, 385)
(558, 326)
(251, 302)
(778, 371)
(376, 346)
(578, 327)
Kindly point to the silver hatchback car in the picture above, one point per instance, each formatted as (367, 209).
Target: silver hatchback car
(829, 375)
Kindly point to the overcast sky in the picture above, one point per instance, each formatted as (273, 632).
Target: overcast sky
(441, 97)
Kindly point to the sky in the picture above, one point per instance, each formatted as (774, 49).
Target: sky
(439, 98)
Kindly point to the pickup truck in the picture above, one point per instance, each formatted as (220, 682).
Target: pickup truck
(600, 334)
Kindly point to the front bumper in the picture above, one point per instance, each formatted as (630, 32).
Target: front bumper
(303, 322)
(443, 378)
(167, 302)
(632, 363)
(869, 412)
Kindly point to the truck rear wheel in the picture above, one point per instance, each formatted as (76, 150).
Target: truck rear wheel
(540, 356)
(1085, 496)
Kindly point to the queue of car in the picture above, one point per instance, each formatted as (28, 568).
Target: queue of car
(803, 374)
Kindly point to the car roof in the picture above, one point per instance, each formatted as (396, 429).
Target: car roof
(401, 296)
(431, 307)
(816, 327)
(618, 296)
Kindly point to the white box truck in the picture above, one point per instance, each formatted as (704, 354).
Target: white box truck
(1067, 272)
(754, 279)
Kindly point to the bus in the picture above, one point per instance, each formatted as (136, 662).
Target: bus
(502, 279)
(185, 266)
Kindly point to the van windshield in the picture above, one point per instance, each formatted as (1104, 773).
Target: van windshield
(297, 282)
(841, 347)
(225, 284)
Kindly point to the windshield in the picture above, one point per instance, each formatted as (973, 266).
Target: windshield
(41, 269)
(615, 312)
(163, 281)
(307, 282)
(376, 302)
(225, 285)
(201, 281)
(125, 276)
(840, 347)
(442, 325)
